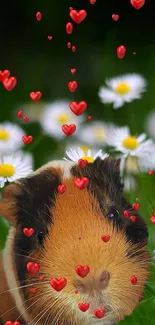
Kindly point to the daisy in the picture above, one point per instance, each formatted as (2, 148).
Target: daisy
(78, 153)
(12, 169)
(135, 164)
(10, 137)
(95, 133)
(150, 123)
(122, 89)
(55, 115)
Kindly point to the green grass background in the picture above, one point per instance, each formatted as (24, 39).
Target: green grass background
(45, 65)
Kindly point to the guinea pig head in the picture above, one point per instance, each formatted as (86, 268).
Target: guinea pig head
(89, 253)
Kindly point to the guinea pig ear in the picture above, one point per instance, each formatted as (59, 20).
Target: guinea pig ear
(8, 202)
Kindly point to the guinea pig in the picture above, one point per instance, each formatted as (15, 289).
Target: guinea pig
(76, 267)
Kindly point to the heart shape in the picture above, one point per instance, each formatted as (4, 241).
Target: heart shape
(115, 17)
(137, 4)
(9, 83)
(136, 206)
(83, 307)
(35, 96)
(61, 188)
(20, 114)
(153, 220)
(134, 279)
(150, 172)
(72, 86)
(133, 219)
(121, 51)
(82, 271)
(27, 139)
(41, 277)
(73, 71)
(68, 129)
(126, 213)
(69, 28)
(33, 290)
(105, 238)
(33, 268)
(4, 74)
(28, 232)
(81, 183)
(82, 163)
(12, 323)
(73, 48)
(99, 313)
(78, 108)
(58, 284)
(26, 119)
(92, 2)
(49, 37)
(78, 16)
(69, 45)
(38, 15)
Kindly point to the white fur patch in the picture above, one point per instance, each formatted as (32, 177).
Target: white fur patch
(65, 166)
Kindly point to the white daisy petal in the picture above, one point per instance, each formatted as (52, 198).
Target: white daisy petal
(87, 156)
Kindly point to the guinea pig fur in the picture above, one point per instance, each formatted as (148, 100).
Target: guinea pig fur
(67, 232)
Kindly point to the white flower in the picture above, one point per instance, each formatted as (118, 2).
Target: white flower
(55, 115)
(95, 133)
(150, 124)
(122, 89)
(13, 168)
(134, 164)
(78, 153)
(10, 137)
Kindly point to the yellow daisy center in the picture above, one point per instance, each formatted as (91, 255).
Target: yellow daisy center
(84, 148)
(130, 143)
(4, 135)
(122, 89)
(88, 158)
(6, 170)
(99, 134)
(63, 118)
(132, 164)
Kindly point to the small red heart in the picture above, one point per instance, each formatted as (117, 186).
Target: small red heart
(12, 323)
(75, 291)
(58, 284)
(150, 172)
(92, 2)
(136, 206)
(115, 17)
(49, 37)
(73, 71)
(153, 220)
(89, 118)
(69, 45)
(33, 290)
(20, 114)
(134, 53)
(41, 277)
(33, 268)
(78, 16)
(82, 271)
(68, 129)
(9, 83)
(133, 219)
(4, 74)
(72, 86)
(73, 48)
(61, 188)
(105, 238)
(35, 96)
(99, 313)
(121, 51)
(27, 139)
(26, 119)
(137, 4)
(28, 232)
(82, 163)
(126, 213)
(38, 15)
(83, 307)
(78, 108)
(133, 279)
(69, 28)
(81, 183)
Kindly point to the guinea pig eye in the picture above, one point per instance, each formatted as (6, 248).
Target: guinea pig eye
(40, 235)
(113, 214)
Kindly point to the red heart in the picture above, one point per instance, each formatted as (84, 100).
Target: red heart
(4, 74)
(82, 271)
(82, 163)
(92, 2)
(81, 183)
(73, 48)
(133, 279)
(153, 220)
(126, 213)
(26, 119)
(68, 129)
(69, 28)
(78, 108)
(136, 206)
(115, 17)
(105, 238)
(33, 268)
(9, 83)
(61, 188)
(75, 291)
(73, 71)
(78, 16)
(150, 172)
(89, 118)
(99, 313)
(42, 278)
(19, 114)
(137, 4)
(69, 45)
(58, 284)
(49, 37)
(27, 139)
(121, 51)
(33, 290)
(35, 96)
(133, 218)
(83, 307)
(38, 15)
(28, 232)
(12, 323)
(72, 86)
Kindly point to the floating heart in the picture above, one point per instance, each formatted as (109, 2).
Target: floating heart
(81, 183)
(99, 313)
(121, 51)
(38, 15)
(33, 290)
(20, 114)
(33, 268)
(133, 279)
(92, 2)
(137, 4)
(136, 206)
(153, 220)
(150, 172)
(82, 163)
(133, 219)
(105, 238)
(68, 129)
(26, 119)
(69, 45)
(126, 213)
(72, 85)
(58, 284)
(27, 139)
(82, 271)
(89, 118)
(73, 48)
(75, 291)
(49, 37)
(78, 108)
(12, 323)
(115, 17)
(4, 74)
(28, 232)
(78, 16)
(9, 83)
(61, 188)
(83, 307)
(69, 28)
(73, 71)
(41, 277)
(35, 96)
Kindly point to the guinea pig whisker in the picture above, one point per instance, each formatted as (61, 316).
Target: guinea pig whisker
(25, 286)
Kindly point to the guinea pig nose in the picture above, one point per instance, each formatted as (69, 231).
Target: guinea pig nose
(97, 283)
